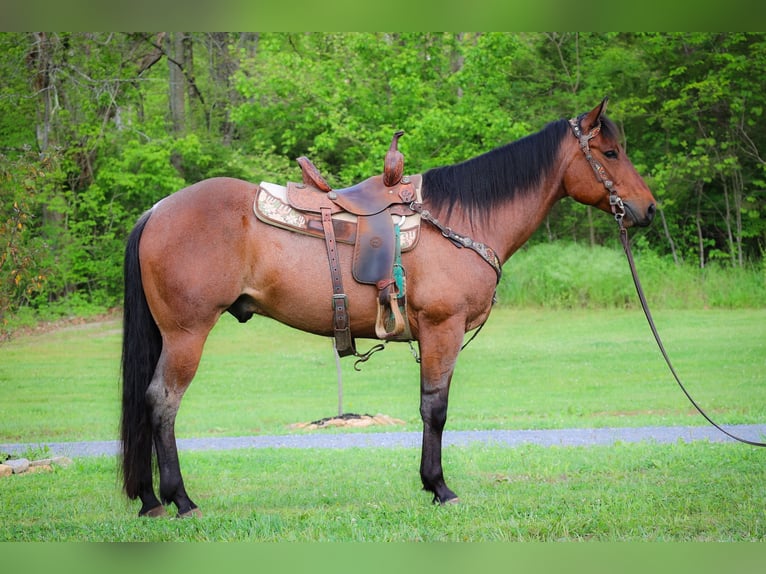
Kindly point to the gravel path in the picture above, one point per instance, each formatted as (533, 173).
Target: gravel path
(510, 438)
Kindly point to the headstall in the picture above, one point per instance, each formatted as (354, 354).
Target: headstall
(615, 202)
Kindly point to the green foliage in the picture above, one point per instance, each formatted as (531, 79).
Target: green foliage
(27, 183)
(564, 275)
(91, 111)
(567, 275)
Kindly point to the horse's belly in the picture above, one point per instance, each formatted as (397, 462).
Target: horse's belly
(292, 283)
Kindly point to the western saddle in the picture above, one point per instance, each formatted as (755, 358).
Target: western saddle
(375, 202)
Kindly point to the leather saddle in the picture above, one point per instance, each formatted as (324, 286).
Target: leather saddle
(377, 204)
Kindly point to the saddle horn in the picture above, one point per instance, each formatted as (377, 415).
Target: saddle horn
(393, 164)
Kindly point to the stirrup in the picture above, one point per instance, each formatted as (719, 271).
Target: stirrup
(381, 328)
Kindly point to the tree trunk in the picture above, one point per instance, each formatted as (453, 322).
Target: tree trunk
(727, 222)
(669, 237)
(177, 83)
(176, 92)
(40, 59)
(737, 192)
(698, 220)
(223, 65)
(591, 228)
(187, 48)
(457, 60)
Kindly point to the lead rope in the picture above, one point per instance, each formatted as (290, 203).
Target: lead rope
(648, 314)
(618, 209)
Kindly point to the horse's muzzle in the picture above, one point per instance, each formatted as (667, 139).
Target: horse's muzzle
(641, 218)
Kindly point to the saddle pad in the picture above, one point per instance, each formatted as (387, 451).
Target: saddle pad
(271, 206)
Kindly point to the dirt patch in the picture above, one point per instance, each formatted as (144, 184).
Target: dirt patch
(348, 420)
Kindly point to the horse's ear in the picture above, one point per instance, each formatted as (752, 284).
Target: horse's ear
(592, 119)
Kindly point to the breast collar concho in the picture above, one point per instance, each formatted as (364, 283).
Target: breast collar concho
(615, 202)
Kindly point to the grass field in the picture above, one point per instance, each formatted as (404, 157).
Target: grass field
(698, 492)
(527, 369)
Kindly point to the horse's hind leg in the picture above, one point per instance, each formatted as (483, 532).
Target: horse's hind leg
(176, 368)
(150, 504)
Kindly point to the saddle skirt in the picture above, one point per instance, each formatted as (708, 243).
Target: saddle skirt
(273, 207)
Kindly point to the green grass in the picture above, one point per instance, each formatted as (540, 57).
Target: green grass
(527, 369)
(627, 492)
(564, 275)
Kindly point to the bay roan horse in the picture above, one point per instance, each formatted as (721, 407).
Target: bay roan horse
(201, 252)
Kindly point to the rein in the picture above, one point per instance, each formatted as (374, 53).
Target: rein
(618, 209)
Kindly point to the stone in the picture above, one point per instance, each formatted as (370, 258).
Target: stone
(62, 461)
(5, 470)
(40, 468)
(18, 465)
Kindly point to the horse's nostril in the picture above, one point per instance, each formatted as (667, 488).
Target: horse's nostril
(651, 211)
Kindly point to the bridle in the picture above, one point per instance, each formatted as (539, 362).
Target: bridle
(618, 210)
(615, 202)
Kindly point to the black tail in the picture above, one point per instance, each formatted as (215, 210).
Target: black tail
(141, 347)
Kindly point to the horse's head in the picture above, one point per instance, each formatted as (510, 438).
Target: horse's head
(599, 172)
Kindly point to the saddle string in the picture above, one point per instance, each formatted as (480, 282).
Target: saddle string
(618, 209)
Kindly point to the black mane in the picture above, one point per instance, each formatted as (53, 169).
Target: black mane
(480, 183)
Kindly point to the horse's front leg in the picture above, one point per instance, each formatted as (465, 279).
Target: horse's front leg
(439, 347)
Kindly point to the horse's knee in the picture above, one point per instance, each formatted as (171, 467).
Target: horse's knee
(433, 411)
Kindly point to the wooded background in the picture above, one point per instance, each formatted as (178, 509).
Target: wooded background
(97, 127)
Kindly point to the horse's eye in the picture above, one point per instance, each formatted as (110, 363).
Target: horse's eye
(611, 154)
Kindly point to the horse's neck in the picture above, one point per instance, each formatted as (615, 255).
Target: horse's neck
(513, 223)
(509, 225)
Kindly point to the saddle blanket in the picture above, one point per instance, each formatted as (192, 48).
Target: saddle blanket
(271, 206)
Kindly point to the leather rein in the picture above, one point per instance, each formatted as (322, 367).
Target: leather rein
(618, 209)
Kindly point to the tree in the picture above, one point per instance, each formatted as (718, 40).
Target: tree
(704, 104)
(96, 127)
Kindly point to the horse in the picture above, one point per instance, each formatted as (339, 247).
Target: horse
(201, 252)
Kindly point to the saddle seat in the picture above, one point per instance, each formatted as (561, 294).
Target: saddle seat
(368, 197)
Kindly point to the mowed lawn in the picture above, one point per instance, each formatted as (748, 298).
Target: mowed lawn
(527, 369)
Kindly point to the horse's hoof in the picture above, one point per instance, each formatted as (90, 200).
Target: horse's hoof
(156, 512)
(440, 502)
(193, 513)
